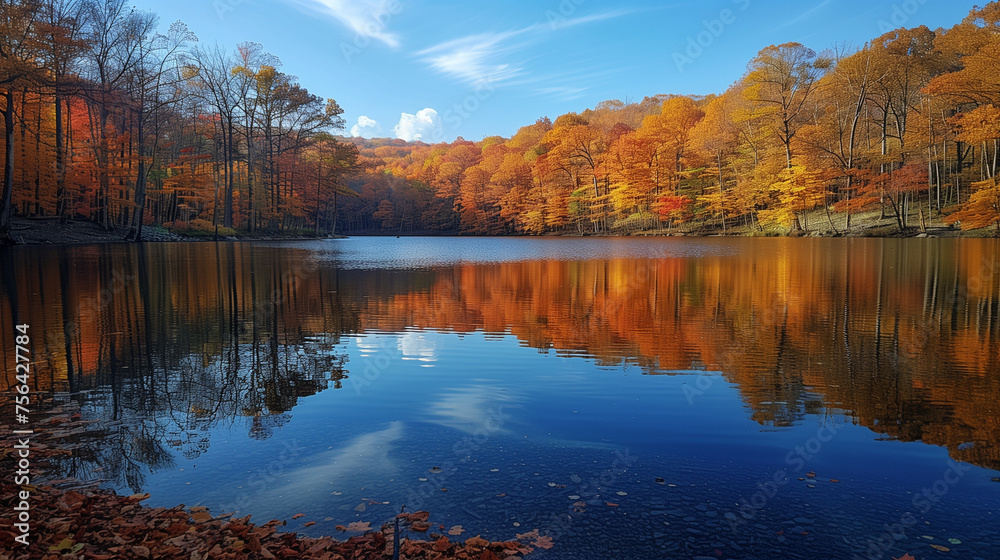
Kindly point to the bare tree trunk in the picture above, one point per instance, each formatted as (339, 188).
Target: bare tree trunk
(8, 168)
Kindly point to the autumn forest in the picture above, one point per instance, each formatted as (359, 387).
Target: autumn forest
(111, 118)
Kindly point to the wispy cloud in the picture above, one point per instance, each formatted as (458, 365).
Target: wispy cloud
(367, 453)
(562, 93)
(565, 23)
(475, 58)
(803, 16)
(486, 56)
(470, 409)
(364, 17)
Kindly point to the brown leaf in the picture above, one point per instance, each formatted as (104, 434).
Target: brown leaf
(456, 530)
(476, 542)
(358, 526)
(544, 541)
(298, 515)
(442, 544)
(419, 516)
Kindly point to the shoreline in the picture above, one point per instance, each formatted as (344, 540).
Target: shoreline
(71, 518)
(48, 231)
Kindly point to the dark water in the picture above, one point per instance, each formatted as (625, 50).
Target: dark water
(651, 398)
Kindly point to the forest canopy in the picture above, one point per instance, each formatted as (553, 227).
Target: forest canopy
(110, 119)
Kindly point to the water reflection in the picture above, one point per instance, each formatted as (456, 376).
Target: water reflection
(173, 340)
(176, 339)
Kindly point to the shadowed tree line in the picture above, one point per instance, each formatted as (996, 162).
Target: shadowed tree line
(108, 119)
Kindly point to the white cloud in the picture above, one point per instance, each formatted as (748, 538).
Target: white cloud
(366, 128)
(368, 454)
(472, 409)
(364, 17)
(481, 57)
(420, 126)
(474, 58)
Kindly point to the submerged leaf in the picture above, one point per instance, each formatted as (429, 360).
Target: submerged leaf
(64, 544)
(544, 541)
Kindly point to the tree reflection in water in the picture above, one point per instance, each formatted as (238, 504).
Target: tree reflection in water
(174, 340)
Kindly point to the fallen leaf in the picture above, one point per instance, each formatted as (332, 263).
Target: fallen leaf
(456, 530)
(610, 504)
(359, 526)
(202, 516)
(811, 474)
(905, 557)
(298, 515)
(476, 542)
(420, 516)
(940, 548)
(64, 544)
(544, 541)
(309, 524)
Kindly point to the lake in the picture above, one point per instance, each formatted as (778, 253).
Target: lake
(629, 398)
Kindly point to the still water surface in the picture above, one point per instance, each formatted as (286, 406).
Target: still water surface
(647, 398)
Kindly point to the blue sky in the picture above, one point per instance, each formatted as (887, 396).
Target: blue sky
(434, 70)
